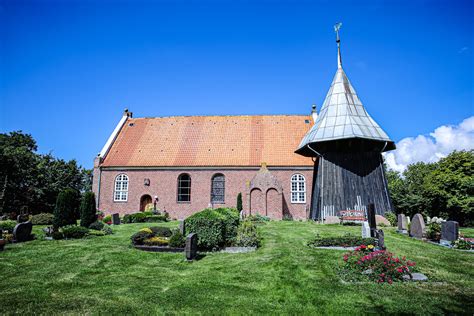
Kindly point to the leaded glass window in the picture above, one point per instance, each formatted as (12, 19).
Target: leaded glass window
(298, 189)
(184, 188)
(121, 188)
(218, 188)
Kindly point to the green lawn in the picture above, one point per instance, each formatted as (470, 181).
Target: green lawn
(105, 275)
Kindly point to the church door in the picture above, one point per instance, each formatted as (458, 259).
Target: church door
(144, 201)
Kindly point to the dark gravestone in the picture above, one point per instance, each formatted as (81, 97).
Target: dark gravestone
(418, 227)
(23, 218)
(2, 244)
(182, 227)
(22, 232)
(381, 239)
(116, 219)
(402, 223)
(371, 219)
(449, 231)
(191, 246)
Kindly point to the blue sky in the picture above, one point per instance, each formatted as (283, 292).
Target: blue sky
(69, 68)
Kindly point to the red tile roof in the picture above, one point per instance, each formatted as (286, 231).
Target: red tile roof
(191, 141)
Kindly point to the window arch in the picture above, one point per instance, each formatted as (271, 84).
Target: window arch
(121, 188)
(298, 189)
(184, 188)
(218, 188)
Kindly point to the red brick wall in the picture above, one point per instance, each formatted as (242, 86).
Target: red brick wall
(163, 183)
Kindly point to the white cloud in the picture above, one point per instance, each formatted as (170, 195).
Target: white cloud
(432, 147)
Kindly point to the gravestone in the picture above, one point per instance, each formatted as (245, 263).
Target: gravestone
(380, 220)
(371, 219)
(381, 239)
(2, 244)
(22, 232)
(418, 227)
(402, 224)
(449, 232)
(182, 227)
(22, 218)
(190, 249)
(116, 219)
(365, 230)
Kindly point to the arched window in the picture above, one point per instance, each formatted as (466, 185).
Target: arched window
(121, 188)
(298, 189)
(218, 188)
(184, 188)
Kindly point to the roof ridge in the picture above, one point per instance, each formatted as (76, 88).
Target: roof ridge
(230, 116)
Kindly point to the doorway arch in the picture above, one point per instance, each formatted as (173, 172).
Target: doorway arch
(144, 201)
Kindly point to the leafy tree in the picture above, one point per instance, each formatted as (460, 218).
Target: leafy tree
(66, 208)
(239, 202)
(449, 188)
(30, 182)
(88, 209)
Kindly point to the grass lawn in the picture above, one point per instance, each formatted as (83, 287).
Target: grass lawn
(105, 275)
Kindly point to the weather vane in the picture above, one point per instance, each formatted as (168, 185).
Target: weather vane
(337, 26)
(339, 58)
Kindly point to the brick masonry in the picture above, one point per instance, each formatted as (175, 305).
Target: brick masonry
(163, 183)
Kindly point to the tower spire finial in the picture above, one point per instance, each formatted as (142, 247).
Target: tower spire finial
(338, 41)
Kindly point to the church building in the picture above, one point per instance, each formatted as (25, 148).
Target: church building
(295, 166)
(188, 163)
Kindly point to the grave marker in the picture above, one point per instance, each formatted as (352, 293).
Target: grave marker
(116, 219)
(182, 228)
(449, 232)
(418, 227)
(365, 230)
(22, 232)
(190, 249)
(402, 224)
(371, 219)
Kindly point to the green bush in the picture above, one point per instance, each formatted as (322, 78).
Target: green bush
(74, 232)
(258, 218)
(161, 231)
(239, 202)
(433, 231)
(107, 219)
(215, 228)
(248, 235)
(134, 218)
(107, 230)
(57, 235)
(392, 218)
(7, 225)
(88, 210)
(139, 237)
(342, 241)
(177, 240)
(66, 208)
(156, 218)
(97, 225)
(42, 219)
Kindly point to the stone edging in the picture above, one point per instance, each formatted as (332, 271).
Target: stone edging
(158, 248)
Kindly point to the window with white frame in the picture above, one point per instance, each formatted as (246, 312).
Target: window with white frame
(298, 189)
(121, 188)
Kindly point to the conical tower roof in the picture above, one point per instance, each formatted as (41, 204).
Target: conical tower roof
(343, 117)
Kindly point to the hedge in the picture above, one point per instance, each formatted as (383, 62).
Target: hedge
(215, 227)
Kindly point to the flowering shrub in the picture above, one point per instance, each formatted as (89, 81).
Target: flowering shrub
(376, 265)
(463, 243)
(433, 230)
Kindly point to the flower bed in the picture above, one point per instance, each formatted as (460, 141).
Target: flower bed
(158, 239)
(381, 266)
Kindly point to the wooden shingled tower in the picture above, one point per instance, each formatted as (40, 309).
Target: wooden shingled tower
(348, 144)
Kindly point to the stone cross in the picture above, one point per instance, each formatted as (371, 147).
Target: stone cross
(365, 230)
(190, 249)
(418, 227)
(116, 219)
(371, 219)
(22, 232)
(402, 224)
(449, 232)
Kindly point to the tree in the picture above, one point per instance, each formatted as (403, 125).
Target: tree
(66, 208)
(88, 209)
(30, 182)
(450, 187)
(239, 202)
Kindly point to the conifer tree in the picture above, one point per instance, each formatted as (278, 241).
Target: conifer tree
(88, 209)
